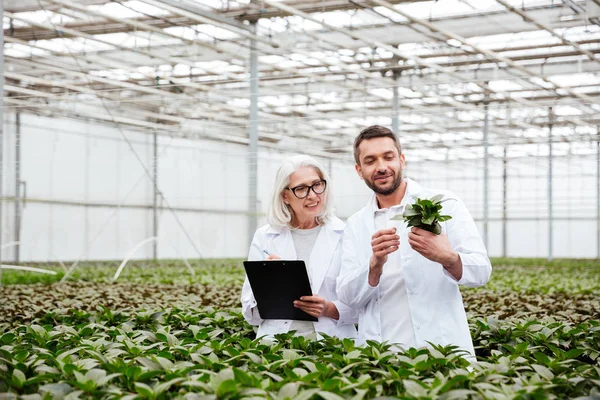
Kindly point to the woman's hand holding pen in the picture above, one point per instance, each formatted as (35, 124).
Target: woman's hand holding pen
(271, 256)
(317, 306)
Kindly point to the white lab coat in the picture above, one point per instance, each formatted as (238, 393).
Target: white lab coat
(435, 302)
(324, 267)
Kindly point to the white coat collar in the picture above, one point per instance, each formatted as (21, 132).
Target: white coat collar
(334, 223)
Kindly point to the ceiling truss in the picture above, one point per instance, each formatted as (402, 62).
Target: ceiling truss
(327, 69)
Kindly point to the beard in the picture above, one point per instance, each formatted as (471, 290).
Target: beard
(382, 190)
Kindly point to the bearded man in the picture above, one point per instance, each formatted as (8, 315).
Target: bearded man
(405, 282)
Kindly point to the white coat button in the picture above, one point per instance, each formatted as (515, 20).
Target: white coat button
(418, 327)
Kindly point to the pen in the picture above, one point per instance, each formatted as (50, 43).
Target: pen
(266, 252)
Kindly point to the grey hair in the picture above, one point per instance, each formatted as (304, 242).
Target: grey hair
(279, 214)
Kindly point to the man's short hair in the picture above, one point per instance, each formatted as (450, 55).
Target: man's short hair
(372, 132)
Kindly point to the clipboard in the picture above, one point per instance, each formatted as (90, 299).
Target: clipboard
(276, 284)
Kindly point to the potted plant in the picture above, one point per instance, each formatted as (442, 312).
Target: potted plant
(425, 214)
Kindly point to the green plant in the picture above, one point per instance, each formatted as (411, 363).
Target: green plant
(535, 329)
(425, 214)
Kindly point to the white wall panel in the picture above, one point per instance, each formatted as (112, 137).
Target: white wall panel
(527, 239)
(575, 239)
(37, 233)
(77, 162)
(351, 193)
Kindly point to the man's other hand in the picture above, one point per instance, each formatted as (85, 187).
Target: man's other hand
(383, 242)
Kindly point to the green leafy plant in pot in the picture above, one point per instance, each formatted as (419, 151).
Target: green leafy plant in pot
(425, 214)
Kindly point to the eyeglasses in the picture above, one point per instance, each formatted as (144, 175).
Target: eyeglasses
(302, 191)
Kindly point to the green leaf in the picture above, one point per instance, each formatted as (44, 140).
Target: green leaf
(242, 377)
(436, 353)
(310, 366)
(425, 203)
(543, 371)
(144, 390)
(428, 221)
(425, 214)
(454, 381)
(56, 390)
(148, 375)
(225, 387)
(164, 386)
(410, 211)
(301, 372)
(164, 363)
(95, 375)
(290, 355)
(354, 354)
(150, 364)
(80, 377)
(8, 338)
(574, 353)
(360, 394)
(414, 388)
(542, 358)
(437, 198)
(288, 391)
(306, 394)
(457, 394)
(133, 372)
(253, 357)
(35, 396)
(329, 395)
(18, 378)
(418, 205)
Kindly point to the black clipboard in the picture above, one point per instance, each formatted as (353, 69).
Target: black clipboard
(276, 284)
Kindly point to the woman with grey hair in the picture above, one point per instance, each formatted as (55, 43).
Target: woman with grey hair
(302, 226)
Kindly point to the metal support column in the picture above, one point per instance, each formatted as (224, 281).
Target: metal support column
(505, 184)
(486, 161)
(598, 191)
(18, 200)
(396, 105)
(253, 139)
(87, 189)
(550, 211)
(155, 197)
(1, 134)
(504, 207)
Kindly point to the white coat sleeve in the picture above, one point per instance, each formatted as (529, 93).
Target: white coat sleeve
(348, 315)
(466, 241)
(249, 309)
(353, 286)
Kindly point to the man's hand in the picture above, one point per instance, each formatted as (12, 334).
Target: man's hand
(436, 248)
(383, 242)
(273, 257)
(317, 306)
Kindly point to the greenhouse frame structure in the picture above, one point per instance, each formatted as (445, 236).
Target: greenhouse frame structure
(461, 81)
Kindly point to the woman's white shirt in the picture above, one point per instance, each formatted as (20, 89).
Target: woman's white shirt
(304, 241)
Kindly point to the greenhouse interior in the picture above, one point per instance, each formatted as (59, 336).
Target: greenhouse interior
(140, 146)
